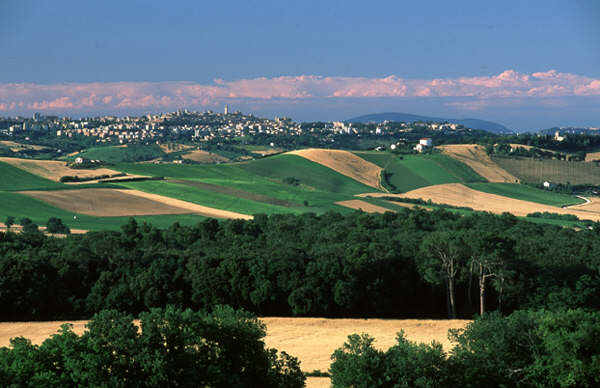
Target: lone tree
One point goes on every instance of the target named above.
(55, 225)
(9, 222)
(28, 225)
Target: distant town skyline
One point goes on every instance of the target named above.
(527, 66)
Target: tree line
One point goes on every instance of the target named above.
(413, 263)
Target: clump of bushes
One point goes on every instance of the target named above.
(527, 349)
(553, 216)
(182, 348)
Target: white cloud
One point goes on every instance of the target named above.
(164, 95)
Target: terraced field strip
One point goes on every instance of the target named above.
(117, 202)
(527, 193)
(475, 157)
(235, 192)
(345, 163)
(555, 171)
(54, 169)
(201, 156)
(456, 194)
(367, 207)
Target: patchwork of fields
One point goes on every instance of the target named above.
(302, 181)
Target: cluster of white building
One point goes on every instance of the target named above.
(200, 125)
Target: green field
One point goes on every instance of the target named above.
(410, 172)
(15, 179)
(309, 174)
(119, 154)
(209, 198)
(264, 176)
(555, 171)
(527, 193)
(19, 205)
(234, 176)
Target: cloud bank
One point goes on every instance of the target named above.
(123, 96)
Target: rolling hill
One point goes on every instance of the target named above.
(311, 180)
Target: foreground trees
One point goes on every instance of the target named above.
(526, 350)
(171, 348)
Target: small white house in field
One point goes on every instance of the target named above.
(424, 143)
(548, 185)
(78, 160)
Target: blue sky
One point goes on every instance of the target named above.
(81, 42)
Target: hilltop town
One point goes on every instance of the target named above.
(204, 126)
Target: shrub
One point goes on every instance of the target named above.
(173, 348)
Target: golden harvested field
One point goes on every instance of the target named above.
(406, 205)
(345, 163)
(367, 207)
(475, 157)
(201, 156)
(592, 156)
(267, 151)
(456, 194)
(556, 171)
(16, 147)
(55, 169)
(117, 202)
(176, 147)
(312, 340)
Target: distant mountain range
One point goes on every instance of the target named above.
(407, 118)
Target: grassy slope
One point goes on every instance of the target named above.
(526, 193)
(309, 174)
(116, 154)
(15, 179)
(319, 186)
(414, 171)
(19, 205)
(209, 198)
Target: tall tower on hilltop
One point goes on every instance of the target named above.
(226, 109)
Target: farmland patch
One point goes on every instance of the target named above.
(555, 171)
(113, 203)
(475, 157)
(345, 163)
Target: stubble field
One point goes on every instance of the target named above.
(312, 340)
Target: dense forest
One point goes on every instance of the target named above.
(413, 263)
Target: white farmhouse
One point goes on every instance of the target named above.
(424, 143)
